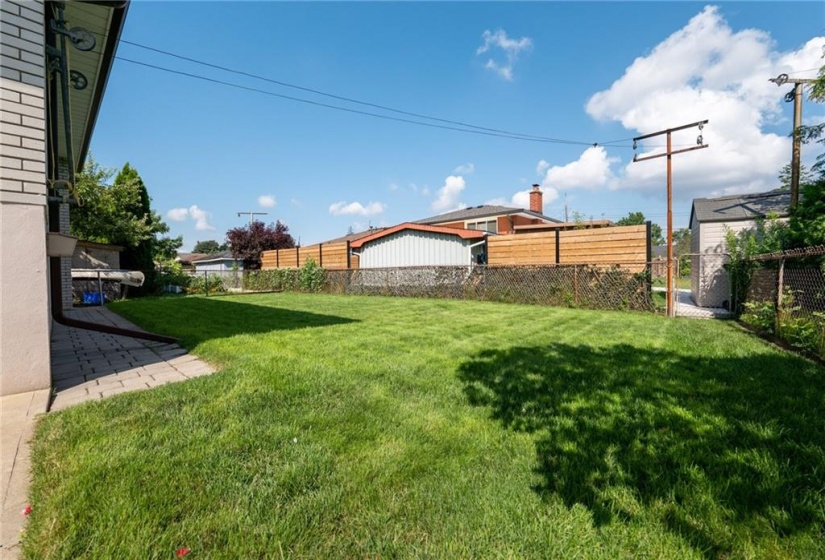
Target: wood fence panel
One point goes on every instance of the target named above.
(522, 249)
(288, 258)
(335, 255)
(269, 260)
(309, 252)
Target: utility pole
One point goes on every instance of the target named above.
(670, 152)
(795, 96)
(252, 215)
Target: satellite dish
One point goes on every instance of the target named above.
(82, 39)
(78, 80)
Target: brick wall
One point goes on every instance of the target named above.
(24, 294)
(22, 106)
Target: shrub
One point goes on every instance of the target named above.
(311, 277)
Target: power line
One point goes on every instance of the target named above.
(335, 107)
(357, 101)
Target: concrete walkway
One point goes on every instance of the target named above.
(686, 307)
(86, 365)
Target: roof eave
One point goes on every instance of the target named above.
(108, 57)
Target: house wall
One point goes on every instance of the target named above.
(219, 266)
(86, 256)
(24, 294)
(416, 248)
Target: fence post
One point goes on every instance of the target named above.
(576, 284)
(557, 247)
(100, 287)
(321, 255)
(780, 279)
(206, 283)
(277, 258)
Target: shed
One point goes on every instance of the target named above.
(410, 244)
(218, 262)
(710, 218)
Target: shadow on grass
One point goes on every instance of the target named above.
(714, 449)
(198, 319)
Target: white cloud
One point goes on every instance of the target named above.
(178, 214)
(267, 201)
(705, 70)
(449, 194)
(295, 202)
(541, 167)
(590, 171)
(201, 217)
(511, 48)
(394, 186)
(356, 209)
(464, 169)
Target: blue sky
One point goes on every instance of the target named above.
(587, 72)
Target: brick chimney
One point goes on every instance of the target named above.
(536, 200)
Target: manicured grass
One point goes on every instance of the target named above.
(358, 427)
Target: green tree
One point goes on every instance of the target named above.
(121, 214)
(769, 235)
(209, 247)
(805, 176)
(638, 219)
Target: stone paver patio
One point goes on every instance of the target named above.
(86, 365)
(90, 365)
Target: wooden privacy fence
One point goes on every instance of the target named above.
(628, 245)
(332, 256)
(625, 245)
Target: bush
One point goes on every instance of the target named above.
(276, 280)
(209, 285)
(311, 277)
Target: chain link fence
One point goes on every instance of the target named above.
(585, 286)
(786, 298)
(615, 286)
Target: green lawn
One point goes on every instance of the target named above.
(367, 427)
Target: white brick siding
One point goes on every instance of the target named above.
(24, 294)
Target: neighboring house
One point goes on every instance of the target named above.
(710, 218)
(413, 244)
(186, 259)
(62, 52)
(218, 262)
(502, 220)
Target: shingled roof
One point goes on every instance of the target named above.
(479, 212)
(462, 233)
(741, 207)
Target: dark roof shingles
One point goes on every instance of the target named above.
(742, 207)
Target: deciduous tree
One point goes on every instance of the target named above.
(248, 242)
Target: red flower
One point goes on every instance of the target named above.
(181, 552)
(26, 510)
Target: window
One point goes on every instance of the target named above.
(486, 225)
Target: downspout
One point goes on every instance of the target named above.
(54, 221)
(59, 317)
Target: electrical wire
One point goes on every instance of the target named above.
(340, 108)
(357, 101)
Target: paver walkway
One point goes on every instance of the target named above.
(92, 365)
(86, 365)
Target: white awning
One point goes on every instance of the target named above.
(128, 277)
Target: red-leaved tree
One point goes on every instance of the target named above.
(246, 243)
